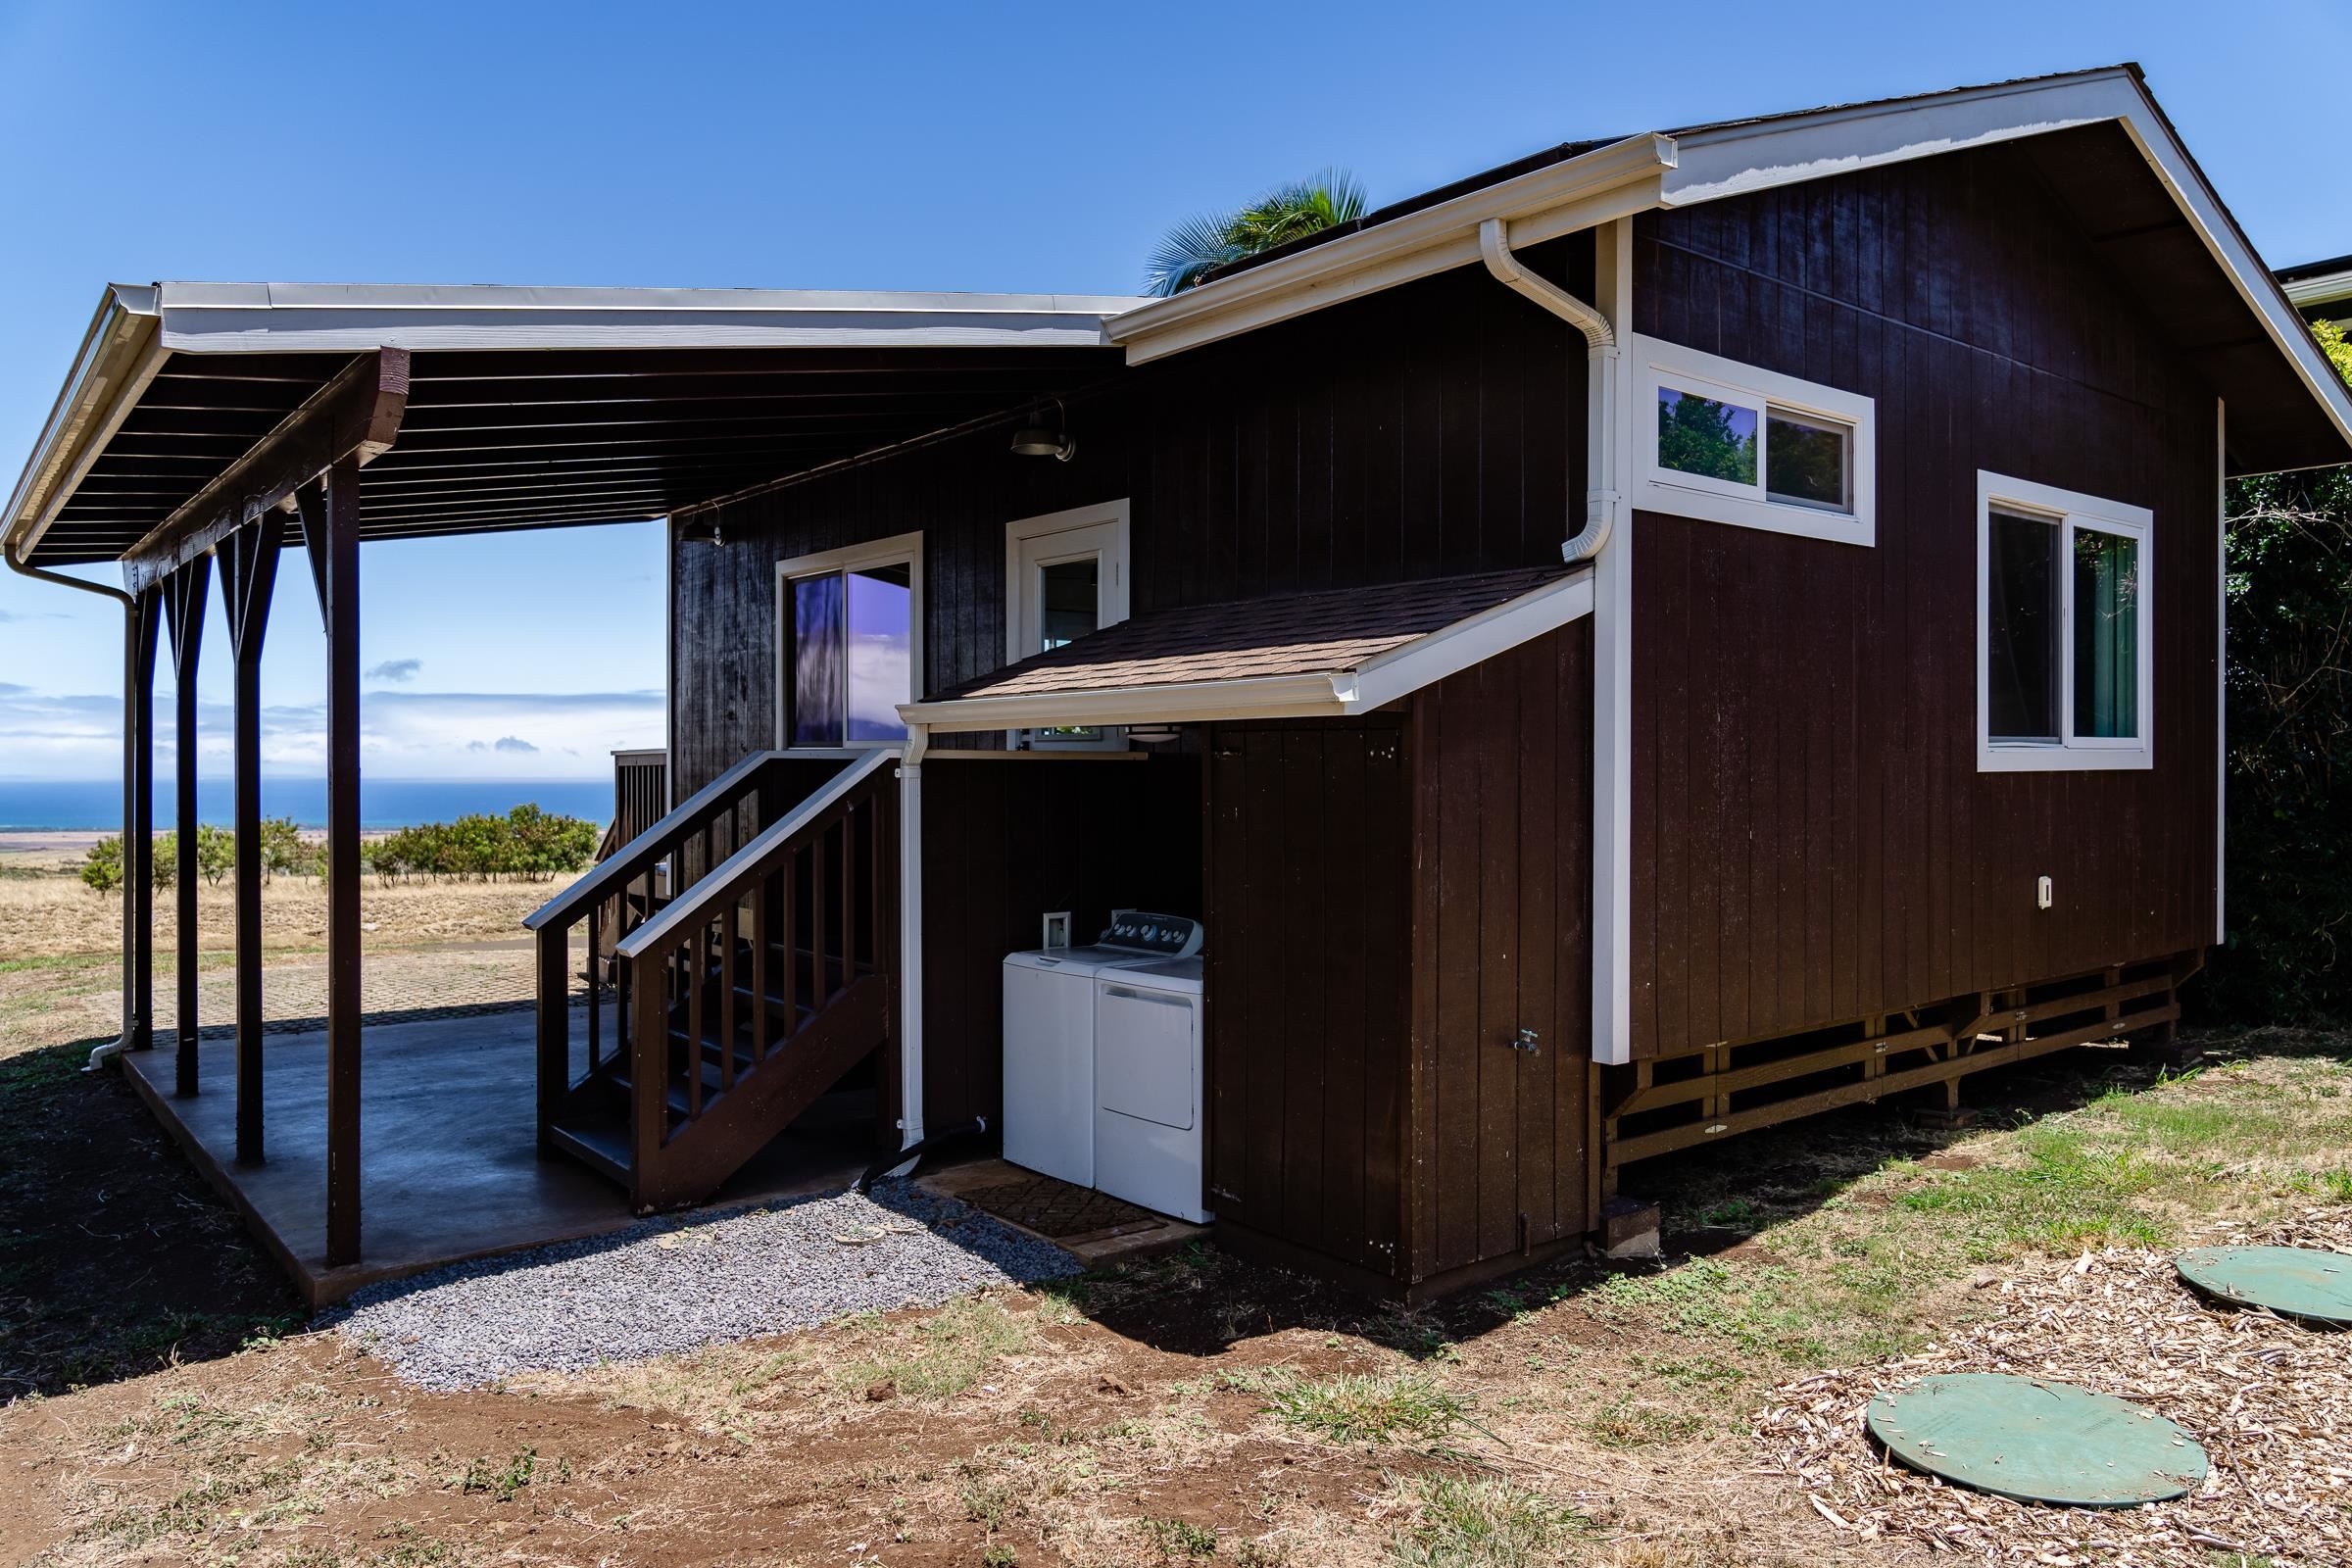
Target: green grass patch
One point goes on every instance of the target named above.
(1356, 1409)
(946, 1355)
(1178, 1537)
(1482, 1523)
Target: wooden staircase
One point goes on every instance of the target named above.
(740, 988)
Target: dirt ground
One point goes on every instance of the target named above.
(1193, 1409)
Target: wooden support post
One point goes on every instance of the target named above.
(184, 594)
(139, 821)
(248, 574)
(333, 529)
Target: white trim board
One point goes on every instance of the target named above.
(902, 546)
(2066, 510)
(1324, 694)
(1032, 543)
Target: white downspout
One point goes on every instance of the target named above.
(1602, 494)
(1608, 456)
(911, 940)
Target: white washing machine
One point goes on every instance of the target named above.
(1050, 1100)
(1147, 1072)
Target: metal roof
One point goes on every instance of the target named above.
(527, 407)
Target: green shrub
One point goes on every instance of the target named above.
(2289, 715)
(102, 864)
(526, 842)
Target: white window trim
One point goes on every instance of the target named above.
(1658, 364)
(904, 549)
(2066, 510)
(1113, 588)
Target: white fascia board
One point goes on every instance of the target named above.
(1325, 694)
(1315, 696)
(1573, 194)
(1734, 160)
(1450, 649)
(345, 318)
(118, 356)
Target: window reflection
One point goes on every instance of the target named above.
(1712, 439)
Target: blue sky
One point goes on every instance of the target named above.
(881, 146)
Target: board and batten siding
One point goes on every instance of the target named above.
(1503, 1138)
(1432, 429)
(1812, 842)
(1390, 900)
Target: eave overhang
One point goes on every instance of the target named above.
(1346, 690)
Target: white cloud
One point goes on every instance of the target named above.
(404, 734)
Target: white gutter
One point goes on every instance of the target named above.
(120, 355)
(1603, 496)
(1612, 182)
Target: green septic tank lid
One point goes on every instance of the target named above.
(2036, 1441)
(2297, 1282)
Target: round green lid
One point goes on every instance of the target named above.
(2036, 1441)
(2293, 1281)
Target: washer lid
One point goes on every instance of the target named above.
(1082, 962)
(1182, 975)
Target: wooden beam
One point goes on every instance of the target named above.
(248, 575)
(184, 594)
(138, 823)
(355, 416)
(338, 547)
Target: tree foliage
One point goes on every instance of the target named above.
(1201, 245)
(2289, 713)
(1699, 435)
(526, 842)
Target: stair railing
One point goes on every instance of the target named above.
(632, 886)
(794, 935)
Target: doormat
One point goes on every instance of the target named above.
(1059, 1210)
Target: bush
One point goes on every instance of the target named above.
(2289, 713)
(102, 864)
(526, 842)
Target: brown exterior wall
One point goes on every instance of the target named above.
(1501, 1138)
(1812, 841)
(1309, 928)
(1434, 429)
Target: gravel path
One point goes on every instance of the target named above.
(675, 1284)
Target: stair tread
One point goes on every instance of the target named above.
(601, 1144)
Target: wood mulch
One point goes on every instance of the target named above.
(2270, 1399)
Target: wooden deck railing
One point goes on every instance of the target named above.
(640, 797)
(755, 991)
(633, 885)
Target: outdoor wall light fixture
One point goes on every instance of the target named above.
(709, 537)
(1036, 439)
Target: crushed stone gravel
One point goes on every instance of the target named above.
(675, 1283)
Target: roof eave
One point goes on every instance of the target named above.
(1371, 683)
(1611, 181)
(119, 356)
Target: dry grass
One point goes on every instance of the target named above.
(1197, 1411)
(52, 915)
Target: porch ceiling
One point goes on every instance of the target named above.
(523, 415)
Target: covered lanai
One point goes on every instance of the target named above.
(208, 429)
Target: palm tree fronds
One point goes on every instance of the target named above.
(1199, 245)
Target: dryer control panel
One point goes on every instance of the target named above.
(1162, 936)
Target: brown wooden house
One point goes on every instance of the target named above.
(1674, 633)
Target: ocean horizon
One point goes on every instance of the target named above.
(96, 806)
